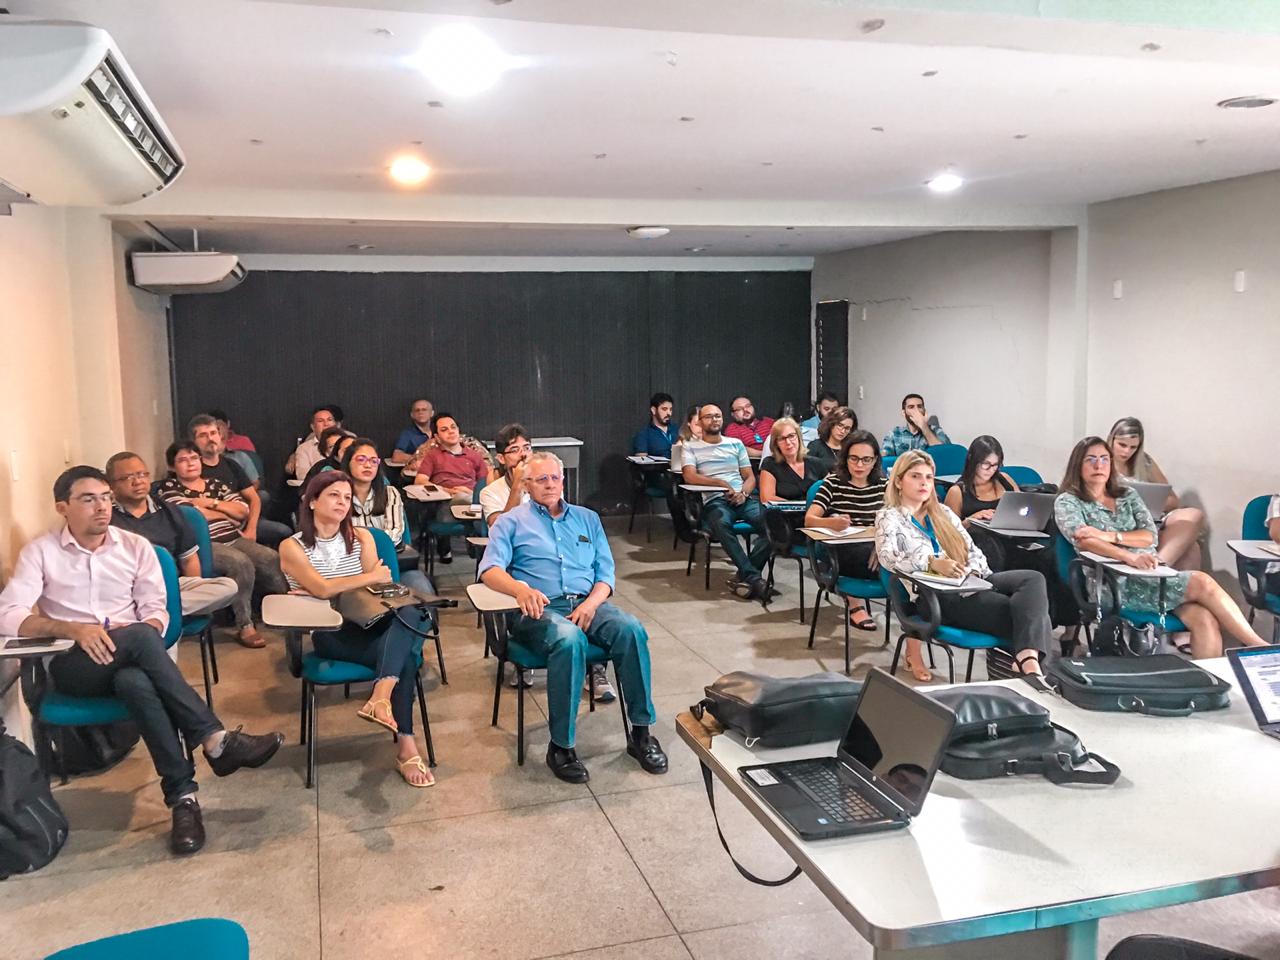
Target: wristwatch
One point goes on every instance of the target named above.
(1116, 535)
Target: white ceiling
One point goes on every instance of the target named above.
(785, 96)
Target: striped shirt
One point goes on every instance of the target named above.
(330, 558)
(390, 521)
(221, 529)
(839, 497)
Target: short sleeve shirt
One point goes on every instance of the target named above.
(224, 530)
(447, 469)
(721, 461)
(228, 472)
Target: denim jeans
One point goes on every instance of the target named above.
(719, 516)
(157, 697)
(564, 645)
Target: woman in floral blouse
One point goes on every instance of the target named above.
(917, 534)
(1099, 514)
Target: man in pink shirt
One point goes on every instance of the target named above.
(452, 466)
(102, 587)
(746, 426)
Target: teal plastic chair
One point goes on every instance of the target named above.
(694, 531)
(316, 671)
(822, 563)
(204, 939)
(781, 530)
(387, 554)
(57, 711)
(948, 458)
(1023, 476)
(923, 620)
(1253, 573)
(446, 528)
(649, 485)
(202, 626)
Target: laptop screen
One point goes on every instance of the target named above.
(898, 735)
(1262, 669)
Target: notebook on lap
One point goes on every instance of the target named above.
(1258, 671)
(880, 774)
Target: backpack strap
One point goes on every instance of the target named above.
(747, 874)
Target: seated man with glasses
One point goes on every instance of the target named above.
(506, 490)
(164, 525)
(745, 426)
(102, 587)
(554, 559)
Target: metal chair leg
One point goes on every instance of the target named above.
(60, 733)
(204, 668)
(213, 657)
(813, 625)
(897, 653)
(346, 691)
(426, 723)
(968, 671)
(520, 716)
(302, 714)
(311, 733)
(444, 677)
(846, 641)
(497, 692)
(688, 567)
(622, 703)
(951, 664)
(707, 566)
(800, 570)
(887, 611)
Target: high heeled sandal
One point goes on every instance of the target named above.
(1037, 681)
(370, 712)
(415, 762)
(917, 669)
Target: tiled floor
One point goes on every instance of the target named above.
(494, 861)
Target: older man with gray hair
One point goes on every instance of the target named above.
(553, 558)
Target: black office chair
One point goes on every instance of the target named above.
(1147, 946)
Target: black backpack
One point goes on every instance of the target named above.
(32, 826)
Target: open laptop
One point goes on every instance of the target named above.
(1258, 670)
(1021, 514)
(1154, 495)
(880, 774)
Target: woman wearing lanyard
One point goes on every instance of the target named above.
(917, 534)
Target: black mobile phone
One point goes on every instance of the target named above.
(18, 643)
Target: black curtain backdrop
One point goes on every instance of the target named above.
(566, 354)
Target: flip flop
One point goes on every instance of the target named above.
(369, 712)
(416, 763)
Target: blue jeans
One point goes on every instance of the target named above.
(719, 516)
(564, 645)
(271, 533)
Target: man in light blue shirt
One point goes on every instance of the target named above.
(826, 402)
(720, 461)
(554, 559)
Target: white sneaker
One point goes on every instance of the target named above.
(597, 683)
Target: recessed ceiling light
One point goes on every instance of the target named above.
(686, 119)
(1020, 136)
(648, 233)
(461, 60)
(1251, 102)
(946, 182)
(435, 103)
(877, 129)
(1150, 47)
(409, 170)
(694, 249)
(929, 73)
(360, 246)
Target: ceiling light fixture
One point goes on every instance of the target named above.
(686, 119)
(1150, 47)
(359, 246)
(461, 60)
(694, 249)
(1250, 102)
(946, 182)
(647, 233)
(871, 26)
(409, 170)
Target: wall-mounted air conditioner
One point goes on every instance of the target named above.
(180, 272)
(76, 127)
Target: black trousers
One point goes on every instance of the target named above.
(854, 560)
(157, 697)
(1015, 609)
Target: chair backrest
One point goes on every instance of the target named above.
(202, 939)
(1063, 554)
(1023, 476)
(257, 461)
(172, 595)
(1254, 524)
(204, 546)
(948, 458)
(813, 492)
(386, 551)
(245, 462)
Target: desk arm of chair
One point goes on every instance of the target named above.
(1078, 584)
(822, 564)
(921, 619)
(1252, 575)
(293, 650)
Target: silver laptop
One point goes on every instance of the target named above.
(1258, 671)
(1154, 495)
(1021, 514)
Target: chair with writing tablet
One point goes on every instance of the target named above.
(1252, 572)
(922, 619)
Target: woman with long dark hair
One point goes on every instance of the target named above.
(982, 482)
(832, 432)
(330, 555)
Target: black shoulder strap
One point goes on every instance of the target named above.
(747, 874)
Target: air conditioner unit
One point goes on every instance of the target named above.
(180, 272)
(76, 128)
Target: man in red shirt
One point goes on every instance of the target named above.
(453, 466)
(746, 426)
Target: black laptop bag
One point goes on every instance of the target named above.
(1000, 733)
(1161, 685)
(33, 827)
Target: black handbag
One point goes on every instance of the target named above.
(1162, 685)
(782, 711)
(1000, 733)
(1116, 637)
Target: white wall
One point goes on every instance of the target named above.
(1195, 361)
(964, 319)
(142, 335)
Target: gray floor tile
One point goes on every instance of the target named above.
(817, 936)
(523, 883)
(663, 948)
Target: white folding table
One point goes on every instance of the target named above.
(1019, 868)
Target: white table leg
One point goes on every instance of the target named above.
(1076, 941)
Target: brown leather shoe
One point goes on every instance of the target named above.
(250, 637)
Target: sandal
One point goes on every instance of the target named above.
(1184, 649)
(416, 764)
(370, 712)
(1033, 678)
(867, 622)
(918, 670)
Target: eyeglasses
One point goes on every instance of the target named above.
(989, 464)
(1101, 460)
(842, 427)
(187, 461)
(92, 499)
(788, 436)
(740, 409)
(713, 416)
(548, 478)
(862, 461)
(366, 461)
(518, 448)
(136, 475)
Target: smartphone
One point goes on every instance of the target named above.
(18, 643)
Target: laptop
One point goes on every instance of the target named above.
(1021, 514)
(880, 774)
(1154, 495)
(1258, 672)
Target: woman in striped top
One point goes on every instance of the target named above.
(330, 555)
(850, 496)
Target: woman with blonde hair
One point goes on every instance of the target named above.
(787, 474)
(1179, 541)
(917, 534)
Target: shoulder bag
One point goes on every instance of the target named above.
(1161, 685)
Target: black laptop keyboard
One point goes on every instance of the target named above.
(838, 800)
